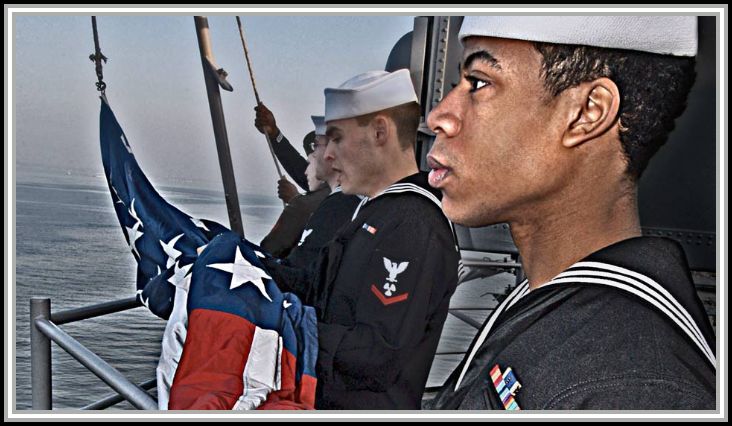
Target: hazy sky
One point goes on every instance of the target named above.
(155, 87)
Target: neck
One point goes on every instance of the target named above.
(561, 236)
(332, 182)
(395, 166)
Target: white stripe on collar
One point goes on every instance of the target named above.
(640, 285)
(398, 188)
(652, 289)
(409, 187)
(364, 200)
(336, 190)
(520, 291)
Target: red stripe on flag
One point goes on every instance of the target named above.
(209, 376)
(210, 373)
(301, 398)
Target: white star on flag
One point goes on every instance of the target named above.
(134, 233)
(178, 278)
(119, 199)
(143, 300)
(127, 145)
(132, 211)
(242, 272)
(170, 250)
(199, 223)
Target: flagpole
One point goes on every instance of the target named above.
(214, 78)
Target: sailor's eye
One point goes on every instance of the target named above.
(476, 83)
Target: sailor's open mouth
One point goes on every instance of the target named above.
(438, 173)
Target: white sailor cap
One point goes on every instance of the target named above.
(369, 92)
(319, 122)
(667, 35)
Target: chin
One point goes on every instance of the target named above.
(465, 214)
(454, 211)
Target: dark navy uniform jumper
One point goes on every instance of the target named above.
(623, 329)
(382, 292)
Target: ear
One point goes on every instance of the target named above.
(380, 127)
(597, 104)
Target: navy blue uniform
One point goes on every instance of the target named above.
(622, 329)
(333, 212)
(382, 292)
(296, 272)
(283, 237)
(291, 160)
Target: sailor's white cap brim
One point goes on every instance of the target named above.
(367, 93)
(667, 35)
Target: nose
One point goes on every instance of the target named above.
(445, 118)
(329, 154)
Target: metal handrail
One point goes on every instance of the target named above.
(116, 398)
(44, 330)
(86, 312)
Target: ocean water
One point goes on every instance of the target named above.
(69, 247)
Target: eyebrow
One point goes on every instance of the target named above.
(331, 130)
(484, 57)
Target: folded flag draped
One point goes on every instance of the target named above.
(233, 340)
(233, 308)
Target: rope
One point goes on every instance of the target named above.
(97, 57)
(246, 56)
(256, 94)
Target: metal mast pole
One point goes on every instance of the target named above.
(214, 78)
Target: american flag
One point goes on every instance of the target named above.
(233, 340)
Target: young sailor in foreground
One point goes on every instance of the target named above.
(385, 280)
(549, 129)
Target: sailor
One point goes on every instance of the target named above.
(384, 282)
(331, 214)
(292, 161)
(295, 272)
(549, 129)
(286, 232)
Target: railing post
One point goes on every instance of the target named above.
(111, 376)
(40, 355)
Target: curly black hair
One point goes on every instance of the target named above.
(653, 90)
